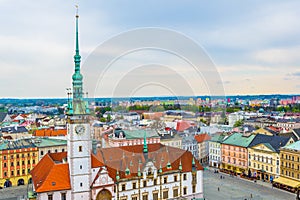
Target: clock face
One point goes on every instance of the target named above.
(79, 129)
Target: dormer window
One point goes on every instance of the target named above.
(149, 171)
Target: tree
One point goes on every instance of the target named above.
(238, 123)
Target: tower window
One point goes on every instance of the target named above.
(80, 148)
(80, 184)
(80, 166)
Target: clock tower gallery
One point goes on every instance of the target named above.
(79, 137)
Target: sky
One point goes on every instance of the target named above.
(247, 47)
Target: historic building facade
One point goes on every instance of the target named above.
(145, 171)
(17, 158)
(235, 153)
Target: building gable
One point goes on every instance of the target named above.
(263, 147)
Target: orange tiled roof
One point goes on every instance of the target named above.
(51, 174)
(50, 132)
(131, 157)
(202, 137)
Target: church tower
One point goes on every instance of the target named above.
(79, 134)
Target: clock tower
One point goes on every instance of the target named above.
(79, 134)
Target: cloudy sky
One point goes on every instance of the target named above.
(254, 46)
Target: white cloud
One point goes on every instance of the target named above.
(279, 56)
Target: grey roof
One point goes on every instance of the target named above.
(2, 116)
(14, 129)
(275, 141)
(16, 144)
(297, 132)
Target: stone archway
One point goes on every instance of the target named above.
(104, 195)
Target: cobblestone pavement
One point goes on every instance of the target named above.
(14, 193)
(239, 189)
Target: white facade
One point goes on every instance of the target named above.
(79, 157)
(56, 195)
(215, 154)
(157, 188)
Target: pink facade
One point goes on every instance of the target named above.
(235, 156)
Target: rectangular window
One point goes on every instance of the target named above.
(80, 148)
(165, 194)
(42, 153)
(155, 182)
(12, 173)
(184, 177)
(145, 196)
(144, 183)
(175, 178)
(194, 189)
(50, 196)
(63, 196)
(155, 196)
(184, 190)
(134, 198)
(133, 185)
(4, 157)
(165, 179)
(175, 192)
(123, 187)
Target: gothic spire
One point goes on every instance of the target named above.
(78, 106)
(145, 149)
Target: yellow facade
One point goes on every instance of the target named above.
(264, 162)
(290, 164)
(263, 132)
(15, 165)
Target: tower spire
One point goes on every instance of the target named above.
(145, 149)
(78, 106)
(77, 42)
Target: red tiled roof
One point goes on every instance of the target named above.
(202, 137)
(120, 158)
(183, 125)
(51, 174)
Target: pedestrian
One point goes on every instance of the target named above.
(218, 189)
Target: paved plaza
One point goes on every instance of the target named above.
(240, 189)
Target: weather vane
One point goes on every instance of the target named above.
(76, 10)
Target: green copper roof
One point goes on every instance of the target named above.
(145, 149)
(237, 139)
(293, 146)
(138, 134)
(48, 142)
(77, 106)
(217, 138)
